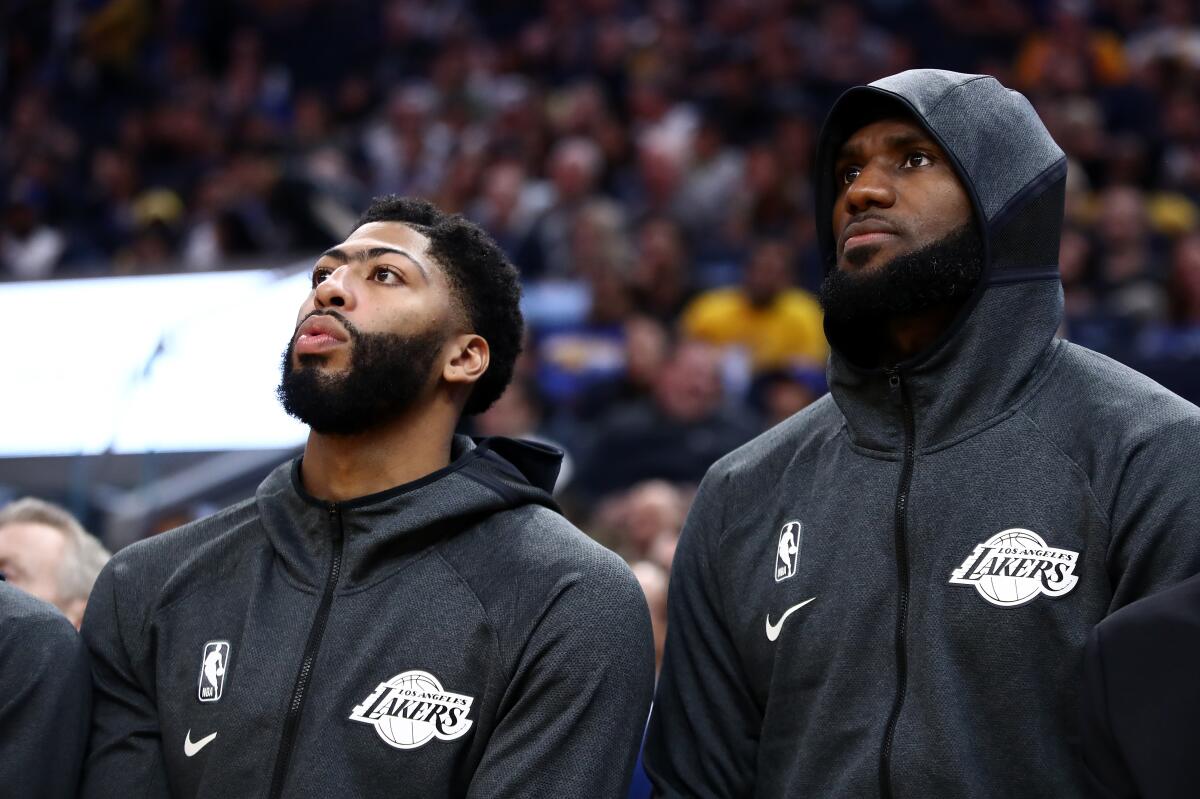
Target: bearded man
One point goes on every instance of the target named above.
(399, 612)
(972, 498)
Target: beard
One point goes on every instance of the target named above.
(942, 274)
(385, 377)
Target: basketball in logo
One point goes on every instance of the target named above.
(1011, 590)
(403, 733)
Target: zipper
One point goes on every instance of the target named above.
(291, 722)
(902, 578)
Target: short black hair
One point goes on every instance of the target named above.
(482, 279)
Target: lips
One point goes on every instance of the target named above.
(319, 334)
(866, 231)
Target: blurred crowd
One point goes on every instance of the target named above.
(646, 165)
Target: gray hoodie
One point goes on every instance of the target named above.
(889, 593)
(451, 637)
(45, 696)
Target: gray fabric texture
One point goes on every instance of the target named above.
(468, 575)
(1013, 428)
(45, 699)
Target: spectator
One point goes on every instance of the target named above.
(661, 279)
(30, 248)
(1130, 262)
(653, 579)
(518, 414)
(675, 436)
(776, 323)
(574, 168)
(636, 521)
(46, 552)
(781, 393)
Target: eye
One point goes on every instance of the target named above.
(319, 274)
(917, 159)
(849, 173)
(386, 274)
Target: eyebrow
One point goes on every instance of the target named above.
(894, 141)
(374, 252)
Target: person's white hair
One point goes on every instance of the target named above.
(84, 557)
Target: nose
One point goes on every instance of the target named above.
(871, 189)
(335, 291)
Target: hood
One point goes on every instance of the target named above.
(1015, 175)
(381, 531)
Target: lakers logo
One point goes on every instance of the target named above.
(412, 708)
(1015, 566)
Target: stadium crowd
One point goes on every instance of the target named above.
(645, 165)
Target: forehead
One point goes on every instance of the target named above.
(884, 135)
(391, 235)
(25, 536)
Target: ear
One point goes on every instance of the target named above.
(469, 359)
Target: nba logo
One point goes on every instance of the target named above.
(787, 554)
(213, 664)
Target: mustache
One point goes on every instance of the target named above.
(354, 332)
(871, 216)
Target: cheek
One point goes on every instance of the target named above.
(308, 307)
(944, 211)
(838, 218)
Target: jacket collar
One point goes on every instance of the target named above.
(973, 376)
(383, 532)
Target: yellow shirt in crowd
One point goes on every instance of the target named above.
(779, 334)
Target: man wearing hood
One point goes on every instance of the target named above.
(399, 612)
(973, 496)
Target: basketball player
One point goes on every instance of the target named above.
(45, 695)
(401, 611)
(974, 496)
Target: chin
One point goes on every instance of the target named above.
(314, 360)
(869, 258)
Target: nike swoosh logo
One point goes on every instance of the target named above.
(190, 748)
(773, 629)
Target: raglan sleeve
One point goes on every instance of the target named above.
(44, 708)
(573, 715)
(702, 736)
(124, 753)
(1155, 514)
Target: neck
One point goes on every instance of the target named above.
(341, 467)
(909, 335)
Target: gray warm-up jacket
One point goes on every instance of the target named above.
(451, 637)
(45, 697)
(889, 593)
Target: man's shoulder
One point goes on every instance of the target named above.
(33, 631)
(1109, 392)
(1100, 411)
(194, 548)
(541, 540)
(537, 548)
(799, 437)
